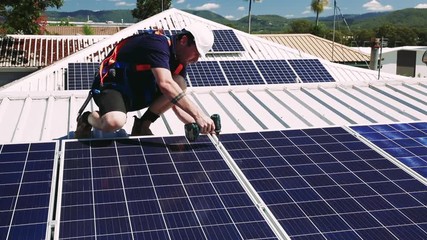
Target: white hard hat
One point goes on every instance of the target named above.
(203, 37)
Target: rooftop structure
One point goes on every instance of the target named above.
(309, 149)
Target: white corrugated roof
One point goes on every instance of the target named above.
(41, 116)
(37, 108)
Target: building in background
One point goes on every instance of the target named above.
(405, 61)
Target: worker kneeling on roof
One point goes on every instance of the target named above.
(147, 70)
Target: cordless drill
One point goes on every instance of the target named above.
(192, 130)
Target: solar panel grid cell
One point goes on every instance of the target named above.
(184, 192)
(206, 73)
(175, 31)
(226, 41)
(241, 72)
(276, 71)
(80, 75)
(340, 195)
(310, 70)
(25, 185)
(407, 142)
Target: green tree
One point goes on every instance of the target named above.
(301, 26)
(388, 32)
(361, 36)
(398, 35)
(406, 37)
(320, 30)
(318, 6)
(306, 26)
(422, 37)
(87, 30)
(22, 16)
(147, 8)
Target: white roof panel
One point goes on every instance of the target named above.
(52, 115)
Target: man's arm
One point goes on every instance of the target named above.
(182, 116)
(174, 93)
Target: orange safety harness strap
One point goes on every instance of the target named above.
(178, 69)
(145, 67)
(109, 61)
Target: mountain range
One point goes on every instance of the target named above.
(413, 18)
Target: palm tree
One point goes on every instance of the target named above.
(318, 6)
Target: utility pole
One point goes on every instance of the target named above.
(380, 58)
(249, 17)
(333, 35)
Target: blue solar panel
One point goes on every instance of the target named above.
(311, 70)
(206, 73)
(241, 72)
(276, 71)
(169, 32)
(407, 142)
(153, 188)
(166, 32)
(226, 41)
(80, 75)
(141, 31)
(25, 184)
(325, 183)
(175, 31)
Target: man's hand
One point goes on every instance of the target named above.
(192, 130)
(206, 124)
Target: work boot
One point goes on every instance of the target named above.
(138, 128)
(84, 129)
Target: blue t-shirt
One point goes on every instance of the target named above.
(145, 49)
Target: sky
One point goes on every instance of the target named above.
(236, 9)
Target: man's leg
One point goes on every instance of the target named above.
(160, 105)
(110, 117)
(109, 122)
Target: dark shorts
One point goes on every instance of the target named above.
(109, 100)
(135, 93)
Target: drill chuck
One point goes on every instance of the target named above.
(217, 121)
